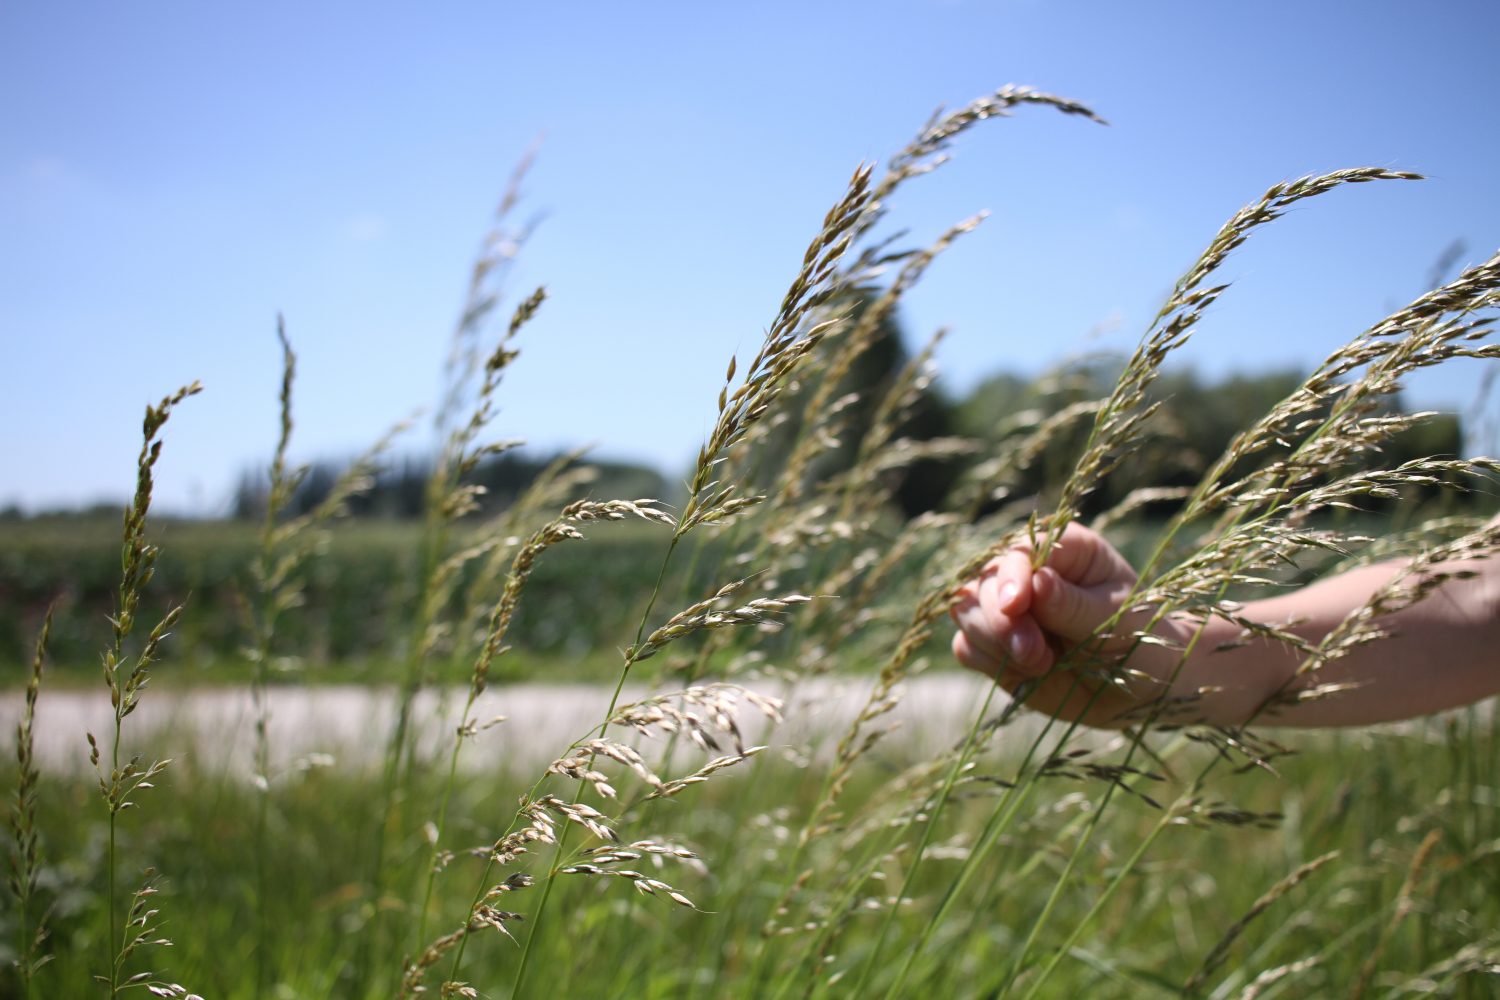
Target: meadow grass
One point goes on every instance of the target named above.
(661, 852)
(1374, 798)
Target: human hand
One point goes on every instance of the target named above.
(1016, 624)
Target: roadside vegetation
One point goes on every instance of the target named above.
(832, 513)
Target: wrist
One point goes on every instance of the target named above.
(1220, 674)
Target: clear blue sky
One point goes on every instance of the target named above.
(173, 174)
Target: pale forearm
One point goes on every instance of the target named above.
(1439, 653)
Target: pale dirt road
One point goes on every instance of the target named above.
(214, 727)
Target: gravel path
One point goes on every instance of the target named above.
(352, 723)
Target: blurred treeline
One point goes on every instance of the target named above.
(1196, 419)
(399, 488)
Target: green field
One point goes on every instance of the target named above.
(357, 601)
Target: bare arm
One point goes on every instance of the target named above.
(1441, 652)
(1438, 653)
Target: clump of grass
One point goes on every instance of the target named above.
(277, 574)
(473, 376)
(127, 673)
(561, 529)
(1018, 858)
(26, 863)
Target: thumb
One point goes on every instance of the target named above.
(1067, 610)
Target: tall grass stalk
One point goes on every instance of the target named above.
(286, 546)
(126, 676)
(788, 343)
(922, 155)
(559, 530)
(449, 497)
(26, 863)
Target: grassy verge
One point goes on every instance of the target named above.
(1373, 798)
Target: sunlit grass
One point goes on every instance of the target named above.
(661, 852)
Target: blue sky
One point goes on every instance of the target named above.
(172, 175)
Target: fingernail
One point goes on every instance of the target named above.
(1020, 645)
(1008, 593)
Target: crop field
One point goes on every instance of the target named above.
(355, 603)
(722, 825)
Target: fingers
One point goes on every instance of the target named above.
(1080, 554)
(1027, 648)
(1083, 556)
(1012, 622)
(1061, 694)
(1013, 619)
(1057, 693)
(991, 640)
(1067, 610)
(965, 652)
(975, 627)
(1009, 577)
(988, 605)
(1065, 696)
